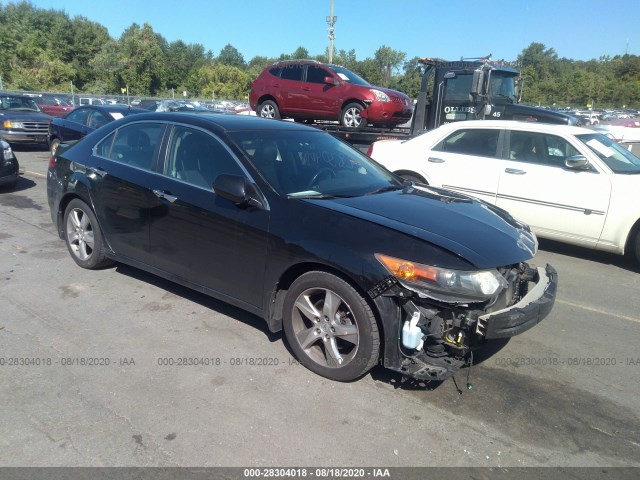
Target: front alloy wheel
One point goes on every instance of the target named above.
(330, 327)
(351, 116)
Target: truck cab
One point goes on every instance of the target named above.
(474, 90)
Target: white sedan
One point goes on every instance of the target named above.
(569, 184)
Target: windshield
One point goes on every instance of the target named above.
(21, 104)
(503, 87)
(348, 76)
(618, 159)
(312, 164)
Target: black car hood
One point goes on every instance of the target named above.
(482, 234)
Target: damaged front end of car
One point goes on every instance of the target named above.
(446, 314)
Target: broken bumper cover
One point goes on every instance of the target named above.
(528, 312)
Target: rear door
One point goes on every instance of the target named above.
(74, 126)
(468, 161)
(123, 167)
(289, 90)
(557, 202)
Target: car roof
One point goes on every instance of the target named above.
(112, 108)
(227, 122)
(517, 125)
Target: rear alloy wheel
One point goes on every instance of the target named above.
(350, 116)
(269, 109)
(330, 327)
(83, 236)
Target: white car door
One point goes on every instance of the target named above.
(467, 161)
(557, 202)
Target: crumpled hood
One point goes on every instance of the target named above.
(484, 235)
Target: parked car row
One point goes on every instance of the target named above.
(570, 184)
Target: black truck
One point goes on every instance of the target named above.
(468, 89)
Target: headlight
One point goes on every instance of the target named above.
(10, 124)
(380, 95)
(443, 284)
(7, 154)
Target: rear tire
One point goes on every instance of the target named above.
(636, 247)
(268, 109)
(330, 327)
(83, 236)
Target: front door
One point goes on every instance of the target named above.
(199, 236)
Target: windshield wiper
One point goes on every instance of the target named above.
(388, 188)
(320, 196)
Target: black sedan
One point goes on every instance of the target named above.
(83, 120)
(9, 166)
(283, 220)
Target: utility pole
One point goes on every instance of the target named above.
(1, 87)
(331, 21)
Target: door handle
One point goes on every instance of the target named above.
(306, 89)
(97, 171)
(514, 171)
(435, 160)
(165, 195)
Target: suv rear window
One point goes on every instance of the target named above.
(292, 72)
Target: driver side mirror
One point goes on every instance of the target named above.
(237, 190)
(477, 82)
(331, 81)
(577, 162)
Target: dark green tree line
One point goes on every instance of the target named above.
(46, 50)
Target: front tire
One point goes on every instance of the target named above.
(83, 236)
(330, 327)
(350, 116)
(268, 109)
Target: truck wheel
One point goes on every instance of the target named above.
(330, 327)
(83, 236)
(350, 116)
(269, 109)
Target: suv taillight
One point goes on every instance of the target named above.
(52, 162)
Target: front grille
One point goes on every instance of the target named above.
(402, 101)
(36, 127)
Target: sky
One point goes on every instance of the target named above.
(448, 29)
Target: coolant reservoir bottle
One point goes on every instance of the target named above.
(411, 333)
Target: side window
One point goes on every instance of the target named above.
(133, 144)
(483, 143)
(459, 87)
(316, 74)
(275, 71)
(198, 158)
(97, 119)
(526, 147)
(292, 71)
(558, 149)
(79, 116)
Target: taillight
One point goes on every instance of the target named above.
(370, 150)
(52, 162)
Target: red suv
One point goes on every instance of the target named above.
(309, 90)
